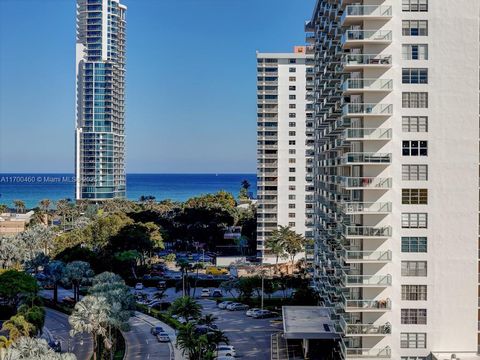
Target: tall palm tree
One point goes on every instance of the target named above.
(192, 345)
(34, 348)
(186, 307)
(3, 208)
(275, 243)
(17, 326)
(45, 204)
(207, 319)
(19, 206)
(91, 315)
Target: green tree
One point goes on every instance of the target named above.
(15, 286)
(35, 315)
(191, 344)
(91, 315)
(3, 208)
(76, 273)
(186, 307)
(19, 206)
(34, 349)
(207, 319)
(275, 243)
(17, 326)
(129, 257)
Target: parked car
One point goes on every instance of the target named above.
(236, 307)
(251, 311)
(213, 270)
(155, 330)
(204, 329)
(224, 304)
(205, 293)
(163, 337)
(138, 286)
(216, 293)
(230, 305)
(162, 285)
(225, 358)
(68, 300)
(225, 350)
(262, 314)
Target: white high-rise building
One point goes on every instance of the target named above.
(284, 144)
(100, 101)
(396, 175)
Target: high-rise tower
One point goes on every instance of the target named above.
(100, 102)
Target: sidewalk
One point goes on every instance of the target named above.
(177, 353)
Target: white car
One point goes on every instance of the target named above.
(236, 307)
(138, 286)
(223, 305)
(229, 306)
(225, 350)
(252, 311)
(205, 293)
(163, 337)
(225, 358)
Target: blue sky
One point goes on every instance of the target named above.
(190, 81)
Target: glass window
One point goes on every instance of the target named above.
(414, 27)
(414, 148)
(414, 75)
(413, 340)
(413, 244)
(414, 172)
(414, 220)
(414, 196)
(415, 52)
(414, 268)
(415, 100)
(415, 123)
(414, 292)
(414, 316)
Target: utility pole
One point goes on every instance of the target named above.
(263, 287)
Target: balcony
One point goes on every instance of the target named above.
(358, 13)
(352, 256)
(350, 86)
(363, 61)
(363, 37)
(367, 305)
(367, 280)
(366, 353)
(350, 329)
(367, 134)
(350, 231)
(364, 109)
(350, 183)
(366, 158)
(353, 208)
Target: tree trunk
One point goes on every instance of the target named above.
(55, 293)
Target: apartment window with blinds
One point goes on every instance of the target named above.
(413, 358)
(415, 52)
(415, 100)
(415, 172)
(414, 27)
(414, 268)
(415, 5)
(414, 316)
(414, 76)
(414, 244)
(414, 220)
(414, 148)
(414, 292)
(413, 340)
(415, 123)
(414, 196)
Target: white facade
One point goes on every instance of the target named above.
(284, 144)
(396, 114)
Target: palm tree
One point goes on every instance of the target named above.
(76, 273)
(45, 206)
(196, 267)
(91, 315)
(19, 206)
(207, 319)
(54, 272)
(275, 243)
(3, 208)
(184, 266)
(190, 343)
(34, 348)
(186, 307)
(17, 326)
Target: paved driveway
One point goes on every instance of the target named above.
(250, 337)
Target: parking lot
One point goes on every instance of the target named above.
(250, 337)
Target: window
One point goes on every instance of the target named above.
(414, 76)
(291, 197)
(292, 97)
(292, 106)
(415, 196)
(415, 100)
(291, 206)
(292, 133)
(292, 151)
(291, 178)
(292, 161)
(291, 187)
(291, 169)
(414, 148)
(292, 61)
(414, 220)
(414, 268)
(292, 70)
(414, 316)
(415, 5)
(292, 115)
(414, 292)
(413, 358)
(291, 124)
(292, 78)
(291, 224)
(415, 172)
(414, 27)
(414, 244)
(291, 215)
(291, 142)
(413, 340)
(415, 52)
(415, 123)
(291, 87)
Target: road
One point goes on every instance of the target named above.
(141, 344)
(250, 337)
(57, 328)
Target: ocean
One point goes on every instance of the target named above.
(31, 188)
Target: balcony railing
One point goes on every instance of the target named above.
(366, 207)
(368, 280)
(366, 182)
(359, 305)
(364, 329)
(367, 231)
(367, 109)
(365, 157)
(378, 353)
(373, 256)
(381, 36)
(368, 84)
(368, 134)
(367, 10)
(367, 59)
